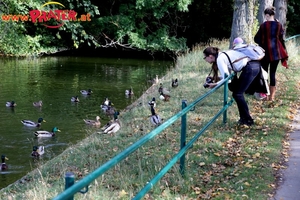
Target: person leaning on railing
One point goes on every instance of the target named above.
(240, 62)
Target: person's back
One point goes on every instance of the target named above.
(270, 37)
(273, 42)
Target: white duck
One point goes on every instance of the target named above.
(37, 151)
(86, 92)
(30, 123)
(129, 92)
(10, 104)
(47, 133)
(38, 104)
(113, 126)
(75, 99)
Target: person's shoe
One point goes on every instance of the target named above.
(248, 122)
(260, 96)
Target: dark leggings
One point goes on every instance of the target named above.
(273, 68)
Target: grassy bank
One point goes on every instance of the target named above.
(227, 162)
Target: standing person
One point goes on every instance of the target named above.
(270, 37)
(240, 62)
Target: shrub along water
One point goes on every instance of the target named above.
(227, 162)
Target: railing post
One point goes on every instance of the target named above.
(69, 179)
(183, 137)
(225, 99)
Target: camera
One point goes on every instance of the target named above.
(207, 80)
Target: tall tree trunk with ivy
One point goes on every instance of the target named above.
(281, 11)
(242, 22)
(263, 4)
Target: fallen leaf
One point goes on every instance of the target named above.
(122, 193)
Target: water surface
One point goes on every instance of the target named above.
(54, 80)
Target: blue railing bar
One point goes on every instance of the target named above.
(292, 37)
(164, 170)
(121, 156)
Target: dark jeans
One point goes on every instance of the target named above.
(249, 72)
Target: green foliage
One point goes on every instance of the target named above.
(154, 26)
(293, 20)
(33, 39)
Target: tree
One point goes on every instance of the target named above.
(242, 22)
(142, 25)
(281, 12)
(263, 4)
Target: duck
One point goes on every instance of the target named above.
(129, 92)
(3, 164)
(105, 107)
(30, 123)
(154, 119)
(162, 89)
(93, 122)
(111, 121)
(37, 151)
(106, 101)
(10, 104)
(164, 97)
(47, 133)
(152, 102)
(110, 110)
(75, 99)
(174, 83)
(38, 104)
(86, 92)
(113, 126)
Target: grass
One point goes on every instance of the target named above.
(227, 162)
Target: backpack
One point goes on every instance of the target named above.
(254, 52)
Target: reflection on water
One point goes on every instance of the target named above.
(54, 80)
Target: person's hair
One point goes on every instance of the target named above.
(270, 11)
(213, 51)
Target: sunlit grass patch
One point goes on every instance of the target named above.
(226, 162)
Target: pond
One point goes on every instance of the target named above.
(54, 80)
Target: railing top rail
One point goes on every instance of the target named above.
(292, 37)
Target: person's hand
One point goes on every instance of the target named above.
(212, 85)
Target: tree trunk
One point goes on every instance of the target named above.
(242, 21)
(281, 11)
(263, 4)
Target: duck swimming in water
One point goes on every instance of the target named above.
(46, 133)
(75, 99)
(30, 123)
(38, 104)
(129, 92)
(3, 164)
(93, 122)
(86, 92)
(10, 104)
(37, 151)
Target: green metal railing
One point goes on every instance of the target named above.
(292, 37)
(72, 188)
